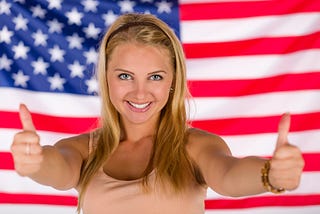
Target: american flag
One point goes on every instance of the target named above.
(248, 62)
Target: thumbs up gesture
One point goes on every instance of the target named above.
(26, 149)
(287, 162)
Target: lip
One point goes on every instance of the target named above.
(139, 107)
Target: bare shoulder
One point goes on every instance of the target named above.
(78, 144)
(200, 140)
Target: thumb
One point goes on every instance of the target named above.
(25, 118)
(283, 130)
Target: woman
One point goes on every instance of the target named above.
(145, 158)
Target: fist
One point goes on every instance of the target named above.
(287, 162)
(26, 149)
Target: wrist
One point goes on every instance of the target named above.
(265, 179)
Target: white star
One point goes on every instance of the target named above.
(126, 6)
(56, 82)
(20, 79)
(75, 41)
(91, 56)
(55, 26)
(5, 62)
(39, 38)
(74, 17)
(20, 51)
(37, 11)
(54, 4)
(164, 6)
(21, 23)
(109, 18)
(5, 7)
(5, 35)
(56, 54)
(92, 85)
(91, 31)
(76, 69)
(90, 5)
(39, 66)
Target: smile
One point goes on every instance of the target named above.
(139, 106)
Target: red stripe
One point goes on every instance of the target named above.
(226, 126)
(7, 198)
(280, 200)
(254, 125)
(288, 82)
(311, 161)
(70, 125)
(267, 201)
(228, 10)
(276, 45)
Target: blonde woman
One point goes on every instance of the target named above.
(145, 158)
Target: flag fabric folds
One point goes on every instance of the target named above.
(247, 63)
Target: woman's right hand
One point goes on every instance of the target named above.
(26, 149)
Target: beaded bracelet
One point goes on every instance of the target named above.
(265, 179)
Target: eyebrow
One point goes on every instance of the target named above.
(153, 72)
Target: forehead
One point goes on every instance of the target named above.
(134, 54)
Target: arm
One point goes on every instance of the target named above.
(233, 176)
(57, 166)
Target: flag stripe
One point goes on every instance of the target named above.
(245, 67)
(228, 30)
(310, 159)
(285, 200)
(228, 10)
(286, 82)
(281, 200)
(261, 144)
(226, 126)
(277, 45)
(253, 125)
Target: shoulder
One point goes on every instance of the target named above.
(75, 144)
(200, 141)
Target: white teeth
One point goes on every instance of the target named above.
(140, 106)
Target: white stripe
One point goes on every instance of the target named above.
(269, 210)
(200, 108)
(39, 209)
(11, 182)
(296, 102)
(250, 67)
(46, 138)
(51, 103)
(35, 209)
(308, 185)
(254, 144)
(264, 144)
(248, 28)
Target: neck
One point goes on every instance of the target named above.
(136, 132)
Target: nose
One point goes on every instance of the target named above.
(140, 90)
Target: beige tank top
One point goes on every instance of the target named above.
(107, 195)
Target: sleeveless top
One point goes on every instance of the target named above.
(106, 194)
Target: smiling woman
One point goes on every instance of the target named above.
(145, 157)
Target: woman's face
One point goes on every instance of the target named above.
(139, 78)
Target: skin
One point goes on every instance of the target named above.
(142, 75)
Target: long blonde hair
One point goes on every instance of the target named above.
(171, 136)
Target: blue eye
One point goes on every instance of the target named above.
(125, 76)
(156, 77)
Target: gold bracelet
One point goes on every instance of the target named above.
(265, 179)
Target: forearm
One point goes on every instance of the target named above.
(243, 177)
(54, 170)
